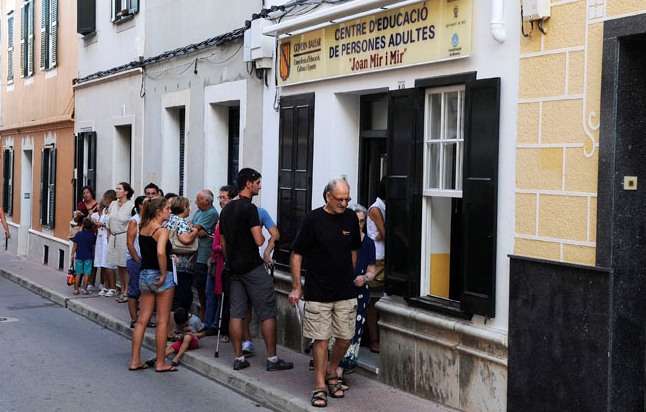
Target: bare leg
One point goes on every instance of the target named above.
(123, 277)
(132, 308)
(108, 278)
(373, 328)
(246, 332)
(163, 303)
(319, 353)
(268, 327)
(183, 348)
(146, 311)
(235, 334)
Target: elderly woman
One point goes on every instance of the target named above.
(364, 272)
(120, 213)
(180, 208)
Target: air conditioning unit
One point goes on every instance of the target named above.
(258, 48)
(535, 9)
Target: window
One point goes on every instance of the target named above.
(84, 164)
(48, 34)
(182, 150)
(123, 10)
(7, 180)
(48, 186)
(10, 21)
(27, 39)
(441, 194)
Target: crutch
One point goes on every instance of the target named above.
(217, 345)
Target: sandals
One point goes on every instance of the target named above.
(122, 298)
(344, 385)
(335, 387)
(319, 398)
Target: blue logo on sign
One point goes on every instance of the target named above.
(455, 40)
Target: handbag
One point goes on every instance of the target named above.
(70, 276)
(177, 247)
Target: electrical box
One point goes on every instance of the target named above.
(258, 48)
(535, 9)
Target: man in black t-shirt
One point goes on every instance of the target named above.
(330, 240)
(240, 237)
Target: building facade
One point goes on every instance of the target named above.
(39, 62)
(425, 96)
(168, 99)
(576, 329)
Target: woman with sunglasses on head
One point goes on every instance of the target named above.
(155, 283)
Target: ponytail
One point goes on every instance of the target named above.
(149, 209)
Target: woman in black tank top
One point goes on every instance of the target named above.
(155, 281)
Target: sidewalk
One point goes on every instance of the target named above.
(283, 391)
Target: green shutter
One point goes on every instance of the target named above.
(479, 203)
(23, 35)
(53, 51)
(52, 188)
(43, 185)
(10, 48)
(30, 39)
(44, 14)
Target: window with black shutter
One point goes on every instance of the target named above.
(441, 194)
(7, 181)
(48, 186)
(296, 136)
(84, 164)
(48, 34)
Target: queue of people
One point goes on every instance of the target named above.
(160, 257)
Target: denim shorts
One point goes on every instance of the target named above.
(148, 279)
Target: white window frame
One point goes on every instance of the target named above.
(442, 141)
(123, 10)
(429, 192)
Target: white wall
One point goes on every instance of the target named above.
(336, 126)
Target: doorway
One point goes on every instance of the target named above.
(372, 150)
(123, 153)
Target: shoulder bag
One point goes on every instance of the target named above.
(178, 247)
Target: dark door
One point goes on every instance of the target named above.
(296, 138)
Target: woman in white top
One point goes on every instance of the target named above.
(376, 228)
(120, 213)
(100, 218)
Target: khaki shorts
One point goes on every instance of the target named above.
(323, 320)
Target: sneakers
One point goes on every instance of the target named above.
(90, 288)
(241, 364)
(279, 365)
(103, 292)
(248, 348)
(110, 293)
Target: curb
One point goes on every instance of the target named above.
(248, 386)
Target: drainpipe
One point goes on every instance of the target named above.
(497, 25)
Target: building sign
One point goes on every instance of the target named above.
(419, 33)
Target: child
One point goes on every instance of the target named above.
(186, 328)
(83, 252)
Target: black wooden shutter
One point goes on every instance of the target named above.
(43, 187)
(296, 137)
(403, 195)
(91, 160)
(182, 149)
(79, 141)
(7, 180)
(52, 188)
(479, 204)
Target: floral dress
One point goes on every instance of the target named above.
(365, 258)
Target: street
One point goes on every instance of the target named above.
(56, 360)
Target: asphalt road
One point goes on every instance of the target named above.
(56, 360)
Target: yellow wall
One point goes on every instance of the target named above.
(558, 119)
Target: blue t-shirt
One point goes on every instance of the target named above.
(265, 219)
(85, 241)
(207, 219)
